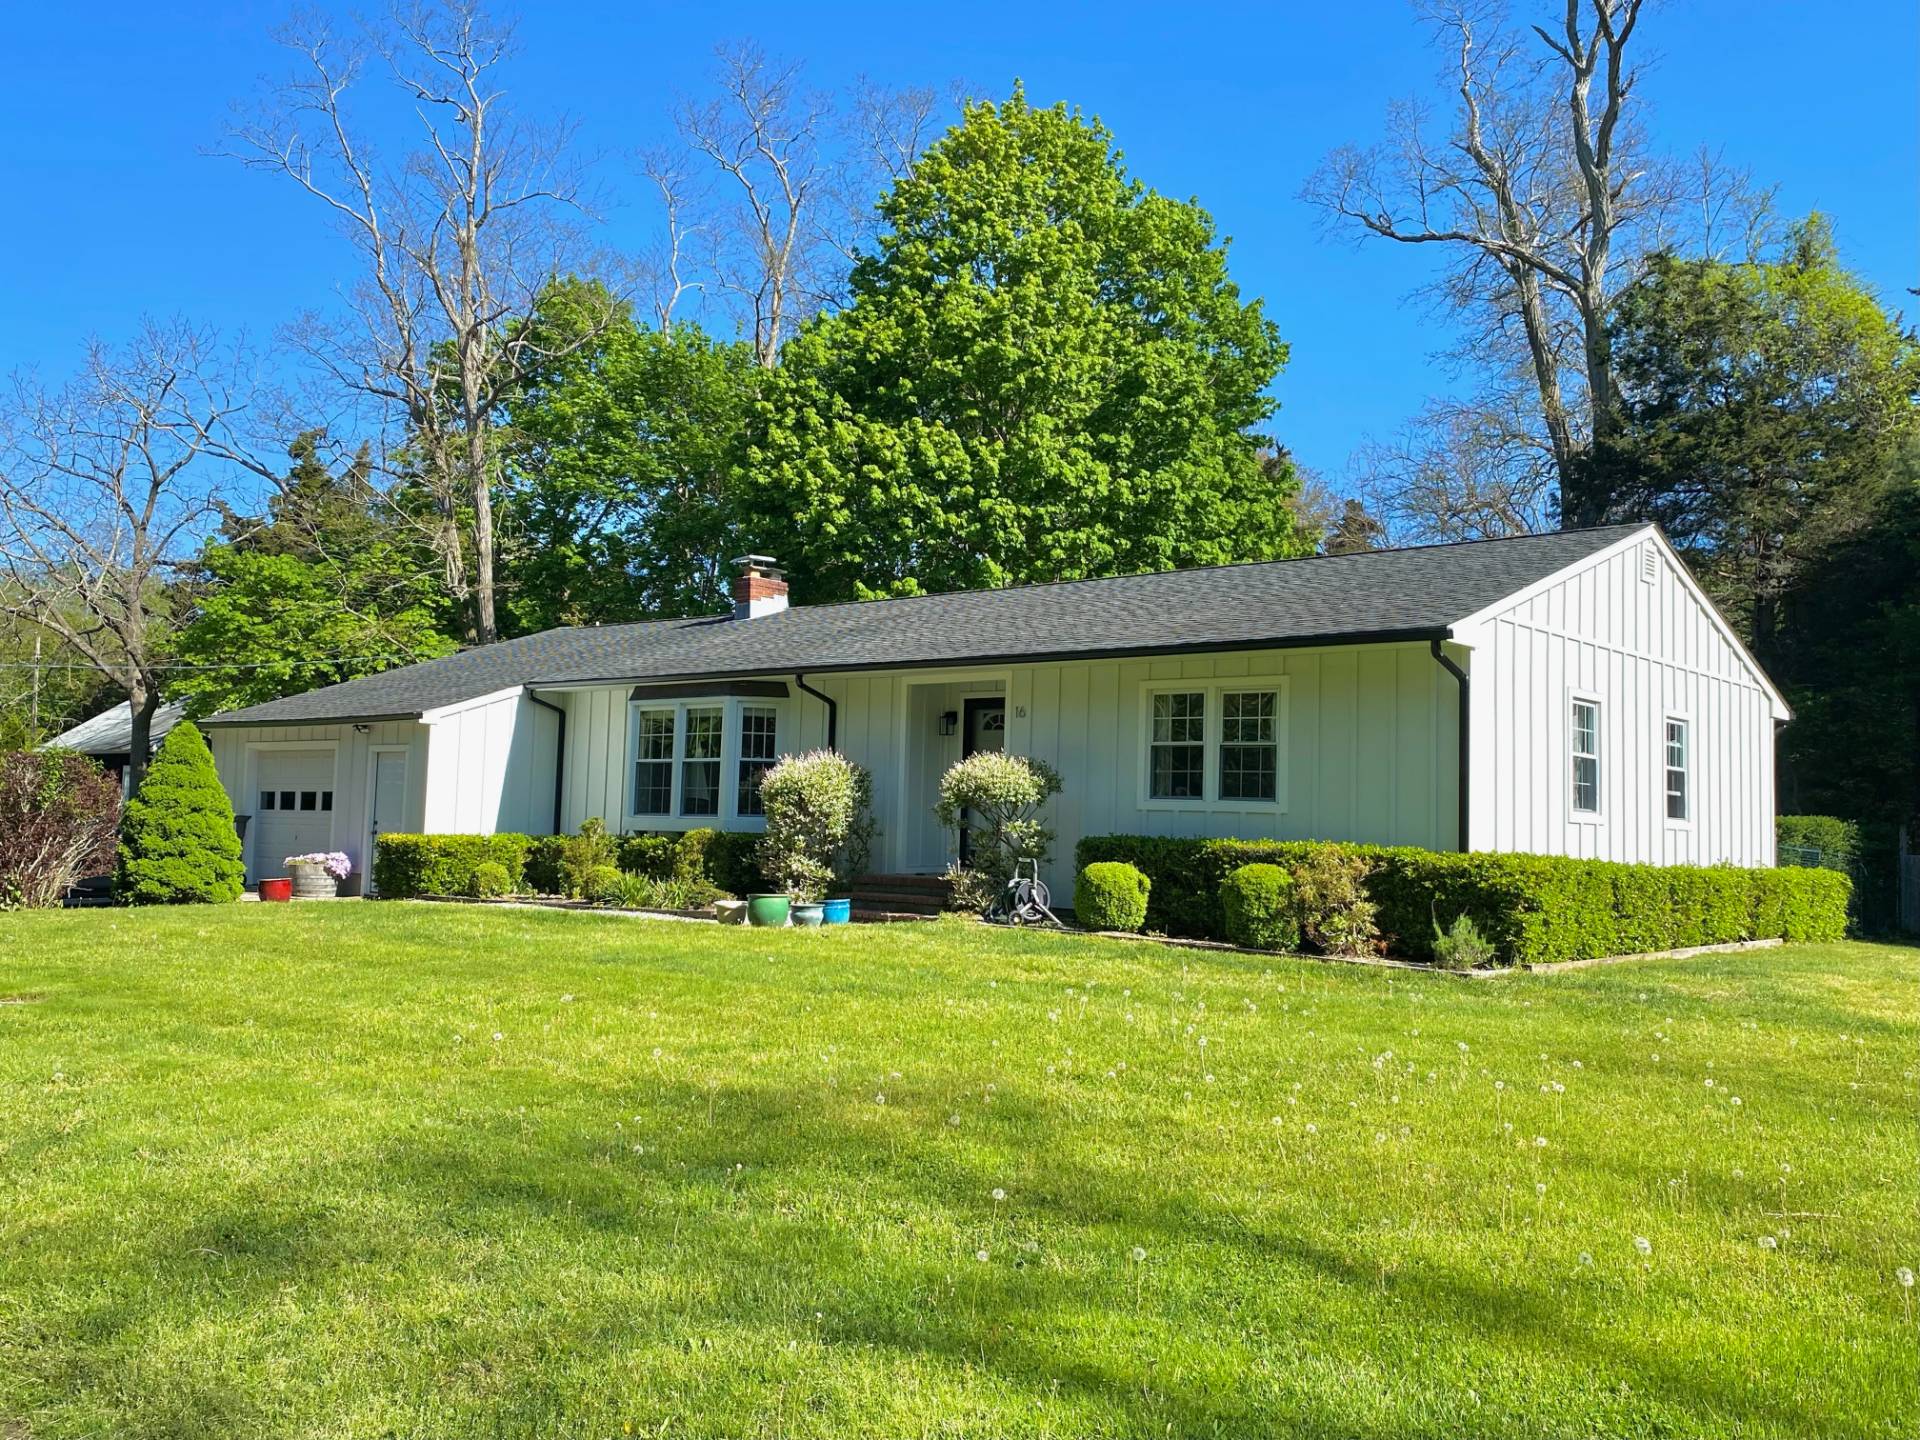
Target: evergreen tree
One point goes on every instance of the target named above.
(177, 839)
(333, 582)
(1044, 372)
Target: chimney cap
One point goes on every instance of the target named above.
(756, 562)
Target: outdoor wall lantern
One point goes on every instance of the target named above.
(949, 722)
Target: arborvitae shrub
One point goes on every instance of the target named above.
(177, 841)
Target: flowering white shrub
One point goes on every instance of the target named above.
(1001, 796)
(819, 829)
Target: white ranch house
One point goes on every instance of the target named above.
(1570, 694)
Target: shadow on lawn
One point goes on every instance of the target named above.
(750, 1253)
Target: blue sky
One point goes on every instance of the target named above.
(114, 212)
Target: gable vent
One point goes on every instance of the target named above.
(1649, 564)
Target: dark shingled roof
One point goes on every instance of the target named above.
(111, 731)
(1377, 595)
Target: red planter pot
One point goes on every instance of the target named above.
(281, 889)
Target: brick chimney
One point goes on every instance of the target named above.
(759, 588)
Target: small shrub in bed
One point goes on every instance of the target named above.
(607, 885)
(490, 881)
(1000, 797)
(731, 859)
(1335, 913)
(1111, 895)
(1262, 910)
(1461, 948)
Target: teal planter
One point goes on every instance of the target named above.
(838, 912)
(810, 914)
(768, 909)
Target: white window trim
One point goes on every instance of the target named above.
(730, 706)
(1598, 814)
(1209, 797)
(1692, 770)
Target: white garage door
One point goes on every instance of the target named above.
(293, 813)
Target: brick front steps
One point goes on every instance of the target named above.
(899, 897)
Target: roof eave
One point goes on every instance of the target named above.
(239, 720)
(1417, 634)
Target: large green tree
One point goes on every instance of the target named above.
(620, 500)
(1761, 404)
(333, 582)
(1043, 372)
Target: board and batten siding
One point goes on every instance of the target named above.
(1369, 751)
(1630, 630)
(236, 752)
(490, 766)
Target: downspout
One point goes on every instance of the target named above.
(833, 709)
(1466, 733)
(559, 760)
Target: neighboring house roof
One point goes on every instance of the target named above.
(1377, 595)
(111, 731)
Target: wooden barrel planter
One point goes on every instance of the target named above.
(312, 882)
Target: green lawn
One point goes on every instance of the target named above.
(422, 1170)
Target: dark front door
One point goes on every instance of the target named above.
(983, 728)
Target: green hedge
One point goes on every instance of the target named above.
(1536, 909)
(409, 865)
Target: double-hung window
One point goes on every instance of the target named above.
(1215, 745)
(1249, 745)
(1679, 770)
(700, 761)
(1584, 733)
(759, 744)
(1177, 750)
(653, 762)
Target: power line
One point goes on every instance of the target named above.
(323, 662)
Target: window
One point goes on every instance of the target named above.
(653, 764)
(1249, 745)
(1176, 755)
(700, 762)
(286, 800)
(326, 800)
(1679, 796)
(759, 741)
(1586, 757)
(266, 799)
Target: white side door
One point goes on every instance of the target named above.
(388, 809)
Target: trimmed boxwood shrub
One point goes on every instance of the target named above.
(490, 881)
(1535, 909)
(1262, 912)
(177, 840)
(1111, 895)
(408, 865)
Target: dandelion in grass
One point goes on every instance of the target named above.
(1905, 1276)
(880, 1099)
(1586, 1258)
(1539, 1142)
(498, 1036)
(1768, 1242)
(981, 1256)
(1643, 1245)
(954, 1121)
(998, 1194)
